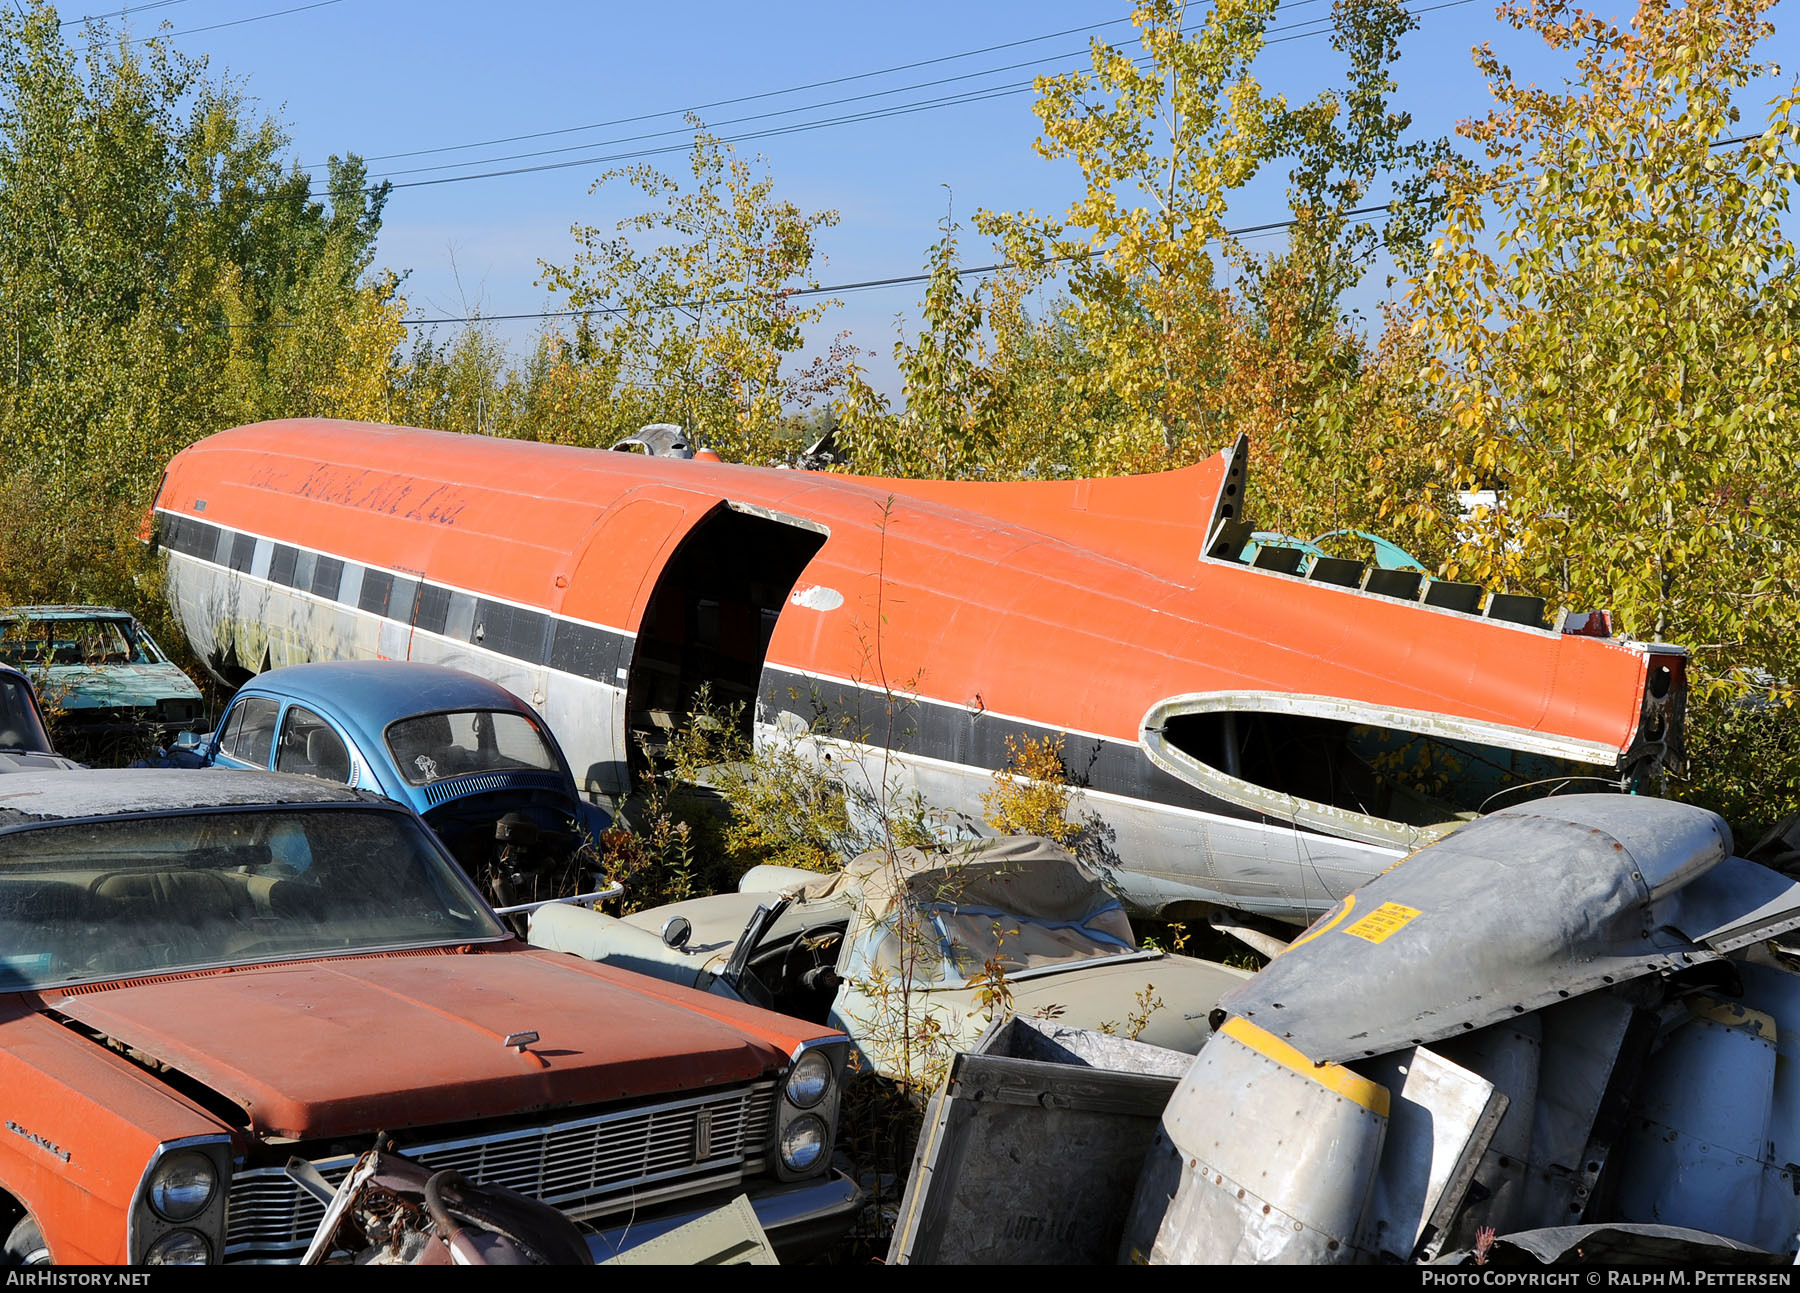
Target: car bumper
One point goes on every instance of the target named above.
(801, 1218)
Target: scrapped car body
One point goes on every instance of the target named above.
(207, 976)
(102, 670)
(468, 756)
(24, 737)
(1572, 1019)
(1250, 734)
(933, 939)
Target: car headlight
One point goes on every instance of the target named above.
(179, 1248)
(177, 1215)
(182, 1186)
(803, 1142)
(809, 1079)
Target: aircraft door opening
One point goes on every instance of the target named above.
(709, 619)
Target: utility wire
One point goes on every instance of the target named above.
(970, 96)
(803, 127)
(865, 285)
(235, 22)
(770, 94)
(1244, 231)
(127, 10)
(894, 110)
(750, 98)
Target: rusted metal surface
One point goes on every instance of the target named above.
(328, 1050)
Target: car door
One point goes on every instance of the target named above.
(247, 736)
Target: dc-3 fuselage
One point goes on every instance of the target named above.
(1243, 733)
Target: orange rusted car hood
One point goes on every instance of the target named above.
(342, 1047)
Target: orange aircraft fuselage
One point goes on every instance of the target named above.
(1241, 735)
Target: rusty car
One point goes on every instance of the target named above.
(205, 979)
(110, 682)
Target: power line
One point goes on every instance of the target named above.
(976, 95)
(894, 110)
(126, 10)
(235, 22)
(765, 94)
(865, 285)
(1244, 231)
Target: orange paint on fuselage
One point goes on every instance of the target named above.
(1077, 605)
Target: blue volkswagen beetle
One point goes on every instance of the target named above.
(472, 759)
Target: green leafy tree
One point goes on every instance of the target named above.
(1147, 360)
(1161, 143)
(703, 328)
(1613, 307)
(1612, 312)
(163, 274)
(946, 426)
(151, 237)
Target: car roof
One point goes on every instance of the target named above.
(113, 792)
(8, 671)
(376, 692)
(63, 613)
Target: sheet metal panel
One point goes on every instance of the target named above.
(1517, 911)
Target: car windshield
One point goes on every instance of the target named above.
(19, 725)
(432, 747)
(47, 641)
(127, 897)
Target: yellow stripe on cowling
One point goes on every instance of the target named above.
(1732, 1015)
(1370, 1095)
(1326, 925)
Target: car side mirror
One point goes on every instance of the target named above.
(187, 740)
(676, 932)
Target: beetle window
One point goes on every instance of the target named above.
(310, 748)
(250, 731)
(432, 747)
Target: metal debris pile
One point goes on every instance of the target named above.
(1563, 1033)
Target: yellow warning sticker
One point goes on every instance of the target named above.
(1384, 920)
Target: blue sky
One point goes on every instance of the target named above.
(385, 77)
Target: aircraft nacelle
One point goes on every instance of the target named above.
(1249, 733)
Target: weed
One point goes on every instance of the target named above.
(1032, 795)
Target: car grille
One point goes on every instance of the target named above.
(438, 792)
(584, 1166)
